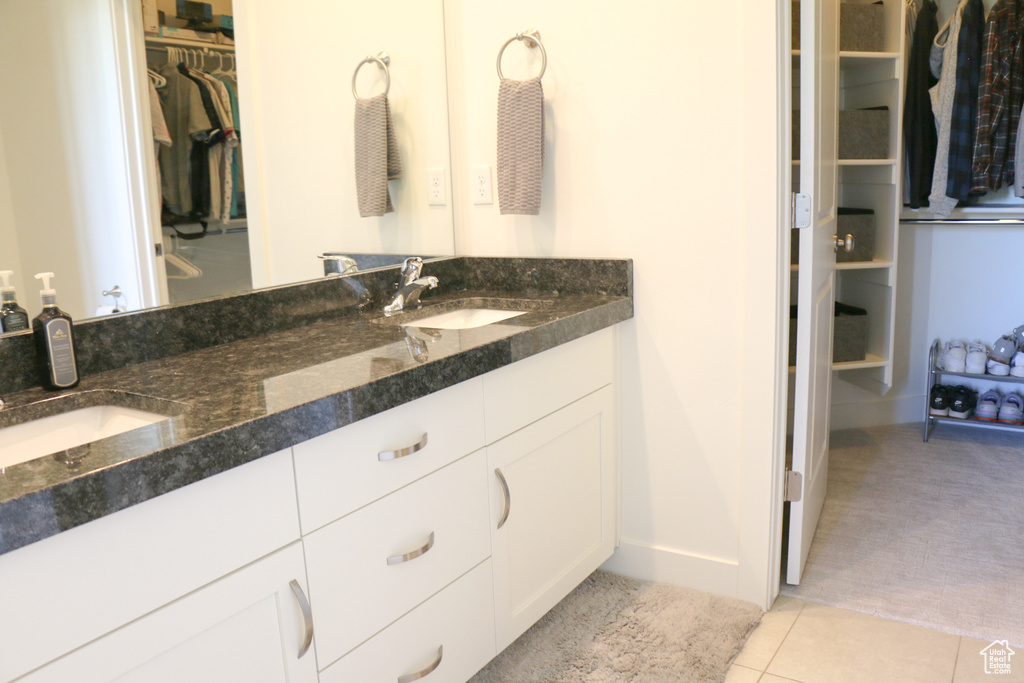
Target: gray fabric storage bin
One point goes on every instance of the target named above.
(850, 334)
(864, 133)
(861, 224)
(861, 27)
(850, 340)
(857, 222)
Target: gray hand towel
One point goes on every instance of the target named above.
(376, 154)
(520, 146)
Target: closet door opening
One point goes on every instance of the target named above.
(197, 136)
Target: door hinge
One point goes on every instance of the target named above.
(794, 487)
(801, 210)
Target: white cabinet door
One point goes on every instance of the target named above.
(248, 626)
(552, 509)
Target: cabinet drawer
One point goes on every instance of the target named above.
(356, 590)
(456, 625)
(89, 580)
(342, 471)
(524, 392)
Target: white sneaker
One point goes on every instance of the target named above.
(977, 357)
(994, 367)
(1012, 410)
(1017, 364)
(953, 357)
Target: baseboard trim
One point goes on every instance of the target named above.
(883, 411)
(668, 565)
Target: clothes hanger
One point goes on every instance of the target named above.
(158, 80)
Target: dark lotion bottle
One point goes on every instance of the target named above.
(55, 342)
(12, 316)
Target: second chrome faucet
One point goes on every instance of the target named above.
(410, 286)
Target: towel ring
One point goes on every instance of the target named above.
(381, 59)
(532, 39)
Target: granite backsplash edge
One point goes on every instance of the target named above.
(119, 341)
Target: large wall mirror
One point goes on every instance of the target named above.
(79, 200)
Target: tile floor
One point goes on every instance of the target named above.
(810, 643)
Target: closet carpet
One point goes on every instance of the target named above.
(613, 629)
(925, 533)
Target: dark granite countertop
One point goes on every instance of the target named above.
(244, 399)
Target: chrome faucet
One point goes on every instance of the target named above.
(410, 286)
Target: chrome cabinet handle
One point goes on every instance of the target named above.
(307, 616)
(402, 452)
(409, 678)
(508, 497)
(413, 554)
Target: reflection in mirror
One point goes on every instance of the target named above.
(301, 128)
(78, 173)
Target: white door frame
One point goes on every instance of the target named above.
(140, 158)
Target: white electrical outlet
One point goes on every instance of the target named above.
(437, 193)
(481, 190)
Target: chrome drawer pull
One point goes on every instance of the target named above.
(402, 452)
(508, 497)
(413, 554)
(307, 616)
(409, 678)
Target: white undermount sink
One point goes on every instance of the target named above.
(30, 440)
(463, 319)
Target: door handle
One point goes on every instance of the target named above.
(846, 244)
(413, 554)
(307, 616)
(384, 456)
(508, 497)
(409, 678)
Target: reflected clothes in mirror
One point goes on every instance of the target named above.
(200, 171)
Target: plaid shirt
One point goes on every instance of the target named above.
(965, 101)
(1000, 93)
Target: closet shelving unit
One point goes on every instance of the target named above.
(935, 374)
(873, 79)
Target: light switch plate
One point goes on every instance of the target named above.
(437, 192)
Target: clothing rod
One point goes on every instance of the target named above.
(966, 221)
(158, 44)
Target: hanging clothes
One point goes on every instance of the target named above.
(161, 135)
(911, 8)
(944, 57)
(999, 99)
(918, 121)
(965, 101)
(186, 118)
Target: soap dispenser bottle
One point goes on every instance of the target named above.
(12, 316)
(55, 340)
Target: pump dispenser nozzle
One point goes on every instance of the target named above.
(7, 291)
(47, 294)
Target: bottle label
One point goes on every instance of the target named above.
(63, 371)
(14, 321)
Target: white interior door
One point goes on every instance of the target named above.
(819, 96)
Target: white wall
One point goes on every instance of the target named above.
(10, 254)
(661, 127)
(300, 178)
(64, 150)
